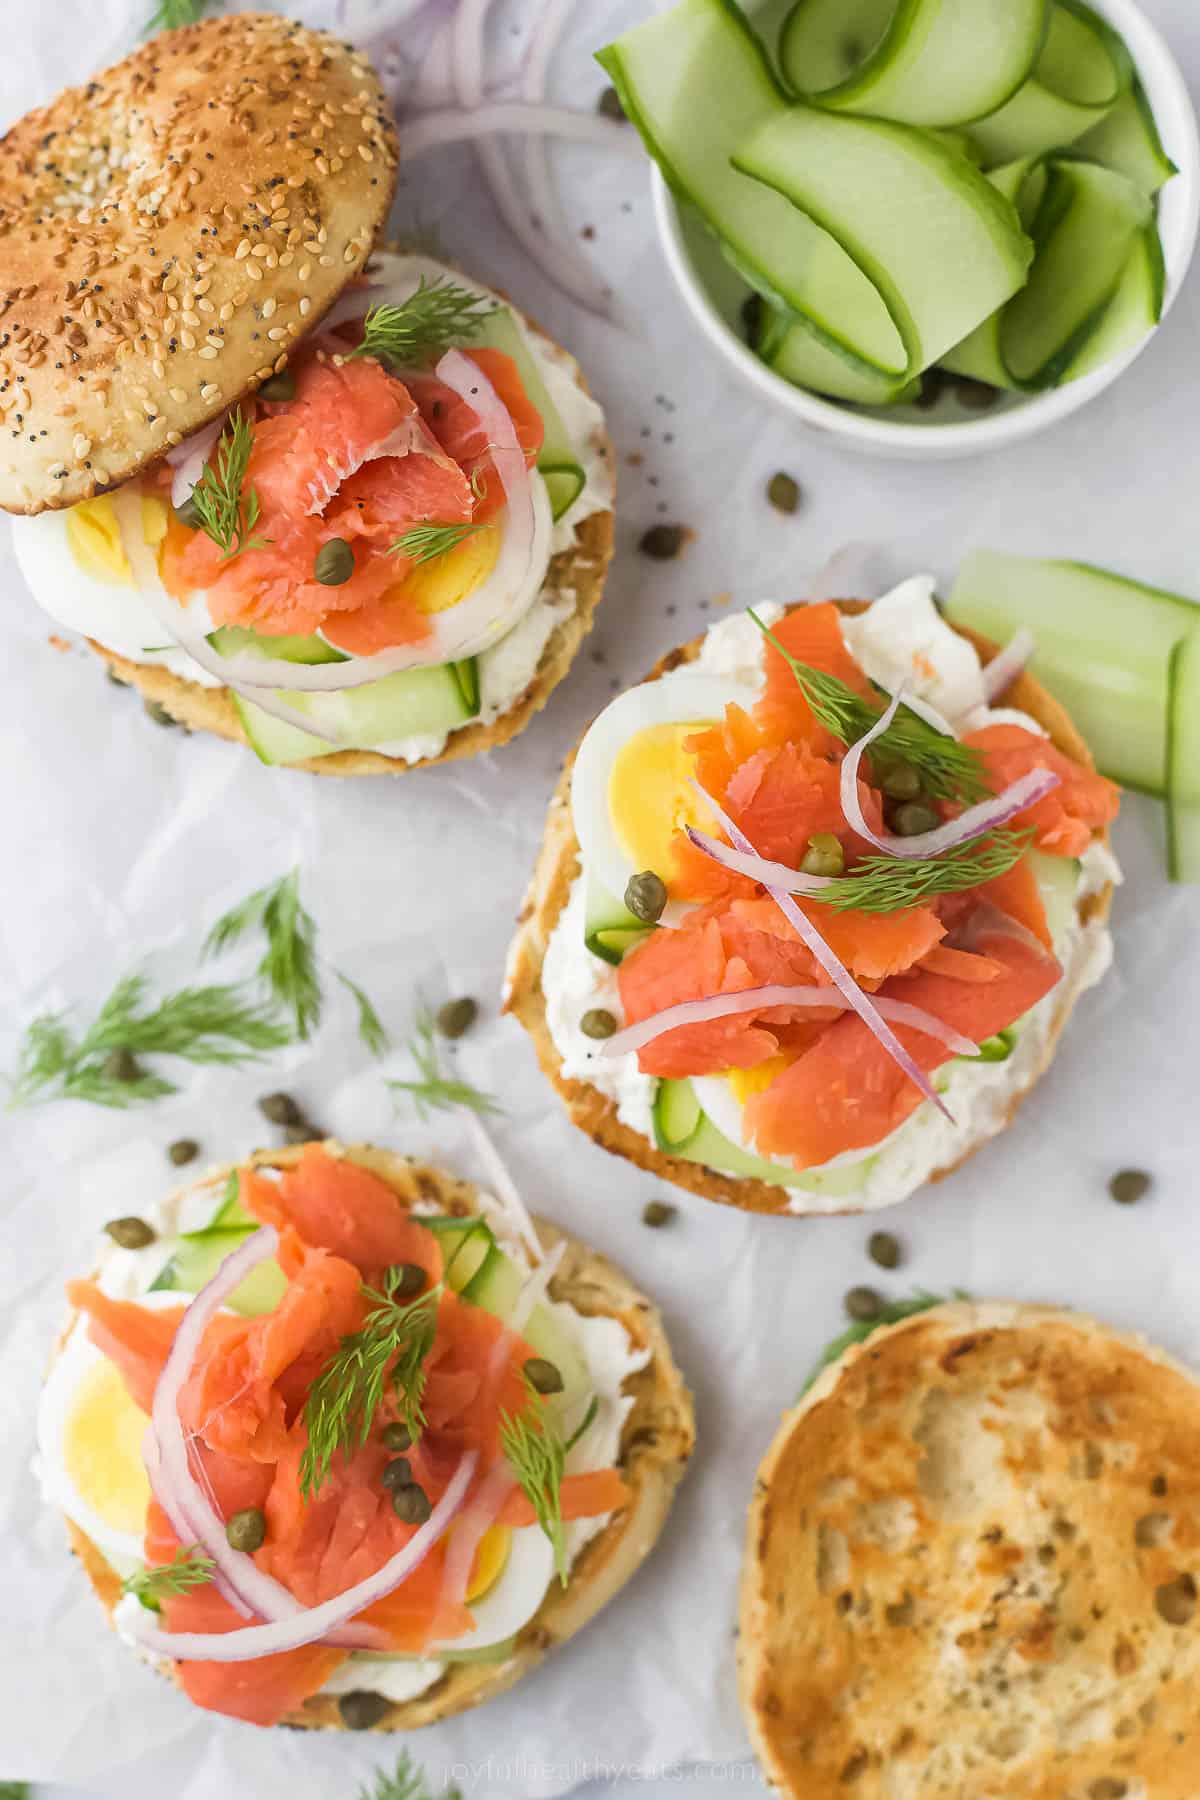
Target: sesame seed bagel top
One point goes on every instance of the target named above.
(168, 233)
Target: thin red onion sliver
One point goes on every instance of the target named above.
(526, 118)
(758, 868)
(188, 459)
(506, 1190)
(1004, 667)
(975, 822)
(722, 1006)
(837, 972)
(476, 1518)
(316, 1624)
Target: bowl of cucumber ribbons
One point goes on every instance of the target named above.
(926, 227)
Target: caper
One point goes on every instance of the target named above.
(657, 1213)
(783, 493)
(863, 1303)
(543, 1377)
(396, 1436)
(884, 1249)
(398, 1473)
(914, 818)
(281, 1109)
(247, 1529)
(279, 387)
(122, 1065)
(824, 855)
(334, 563)
(183, 1150)
(302, 1132)
(1128, 1186)
(189, 513)
(646, 896)
(361, 1711)
(457, 1017)
(663, 542)
(131, 1233)
(597, 1023)
(411, 1504)
(158, 714)
(609, 105)
(900, 781)
(1175, 1601)
(407, 1280)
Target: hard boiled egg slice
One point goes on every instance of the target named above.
(518, 1566)
(631, 788)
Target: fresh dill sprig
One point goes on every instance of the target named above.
(406, 1782)
(890, 1314)
(884, 884)
(388, 1351)
(438, 314)
(189, 1569)
(949, 770)
(536, 1452)
(172, 13)
(437, 1090)
(226, 514)
(425, 543)
(221, 1024)
(371, 1028)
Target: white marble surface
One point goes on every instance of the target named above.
(126, 841)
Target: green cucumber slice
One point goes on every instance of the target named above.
(1127, 139)
(230, 1214)
(701, 61)
(465, 1245)
(1083, 70)
(411, 703)
(558, 464)
(1058, 883)
(495, 1288)
(677, 1115)
(895, 198)
(995, 1049)
(230, 640)
(1103, 648)
(787, 344)
(705, 1144)
(1183, 760)
(609, 929)
(979, 356)
(921, 62)
(1134, 310)
(199, 1255)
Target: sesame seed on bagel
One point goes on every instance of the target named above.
(170, 231)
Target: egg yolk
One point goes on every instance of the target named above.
(650, 796)
(442, 582)
(743, 1083)
(102, 1450)
(491, 1557)
(94, 537)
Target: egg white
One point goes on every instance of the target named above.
(687, 699)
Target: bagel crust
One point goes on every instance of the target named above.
(554, 874)
(656, 1443)
(170, 232)
(970, 1568)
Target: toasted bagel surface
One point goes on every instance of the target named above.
(554, 873)
(171, 231)
(970, 1568)
(656, 1443)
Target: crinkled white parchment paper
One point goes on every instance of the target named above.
(125, 840)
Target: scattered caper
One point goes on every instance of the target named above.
(411, 1504)
(544, 1377)
(361, 1711)
(657, 1213)
(884, 1249)
(407, 1280)
(663, 542)
(783, 493)
(334, 563)
(457, 1017)
(131, 1233)
(189, 513)
(396, 1436)
(1128, 1186)
(646, 896)
(824, 855)
(281, 1109)
(863, 1303)
(609, 105)
(1175, 1601)
(183, 1150)
(900, 781)
(302, 1132)
(247, 1529)
(914, 818)
(157, 714)
(597, 1023)
(122, 1065)
(279, 387)
(398, 1473)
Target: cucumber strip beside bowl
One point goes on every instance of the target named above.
(1183, 759)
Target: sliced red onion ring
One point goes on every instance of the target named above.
(188, 459)
(454, 125)
(316, 1624)
(976, 822)
(476, 1518)
(758, 868)
(722, 1006)
(1004, 668)
(837, 972)
(930, 714)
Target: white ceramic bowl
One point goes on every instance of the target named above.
(714, 293)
